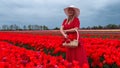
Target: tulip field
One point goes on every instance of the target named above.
(35, 50)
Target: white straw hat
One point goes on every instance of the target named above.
(77, 10)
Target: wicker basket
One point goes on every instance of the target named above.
(73, 43)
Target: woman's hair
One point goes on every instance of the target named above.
(68, 21)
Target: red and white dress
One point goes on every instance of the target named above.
(78, 53)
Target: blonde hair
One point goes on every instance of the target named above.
(68, 21)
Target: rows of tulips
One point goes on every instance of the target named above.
(101, 35)
(37, 41)
(102, 53)
(12, 56)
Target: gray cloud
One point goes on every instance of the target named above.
(50, 12)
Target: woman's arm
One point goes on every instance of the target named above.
(63, 32)
(71, 30)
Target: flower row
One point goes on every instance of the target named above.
(16, 57)
(101, 52)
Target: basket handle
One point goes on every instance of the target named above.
(77, 34)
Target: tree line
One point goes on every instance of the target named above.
(25, 27)
(109, 26)
(43, 27)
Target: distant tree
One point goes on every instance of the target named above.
(97, 27)
(40, 27)
(30, 27)
(88, 27)
(45, 27)
(111, 26)
(16, 27)
(56, 28)
(4, 27)
(36, 27)
(94, 27)
(11, 27)
(119, 26)
(24, 27)
(100, 27)
(83, 28)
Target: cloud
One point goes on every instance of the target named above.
(99, 13)
(110, 14)
(50, 12)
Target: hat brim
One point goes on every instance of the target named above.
(77, 11)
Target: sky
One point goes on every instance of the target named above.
(51, 13)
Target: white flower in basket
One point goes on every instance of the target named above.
(73, 43)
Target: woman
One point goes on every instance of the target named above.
(67, 29)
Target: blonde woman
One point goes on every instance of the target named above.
(67, 29)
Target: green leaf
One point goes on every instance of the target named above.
(102, 59)
(106, 66)
(114, 65)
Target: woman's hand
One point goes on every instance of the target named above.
(65, 35)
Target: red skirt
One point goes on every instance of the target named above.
(77, 54)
